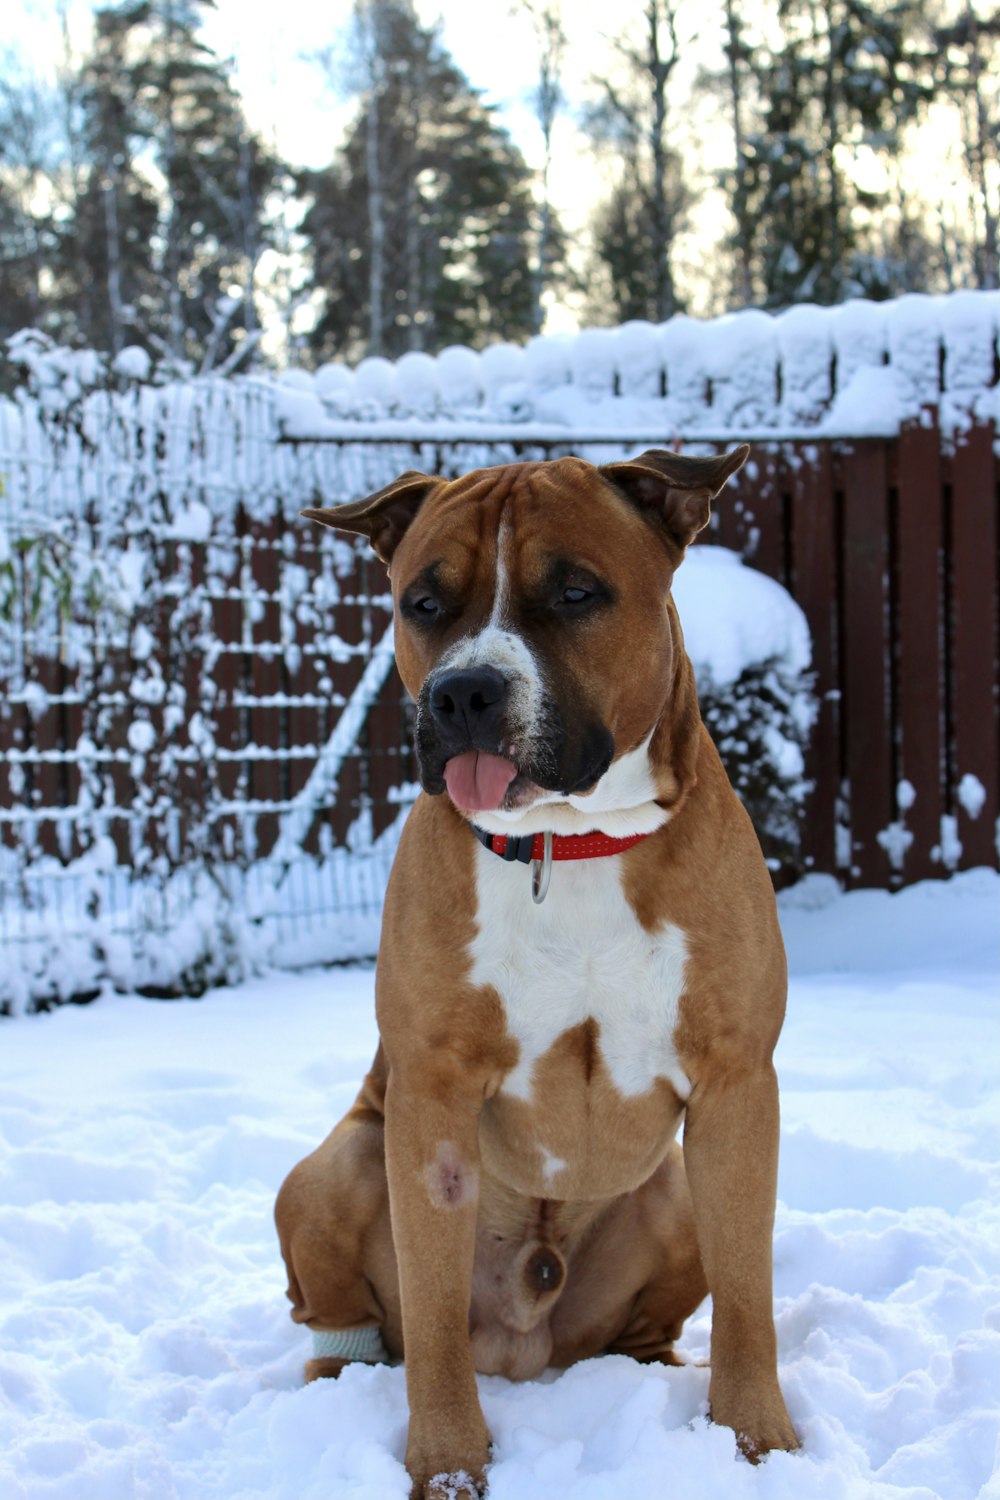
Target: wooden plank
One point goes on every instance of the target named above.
(735, 509)
(814, 586)
(265, 680)
(303, 682)
(42, 735)
(919, 632)
(766, 544)
(868, 761)
(976, 742)
(388, 748)
(227, 622)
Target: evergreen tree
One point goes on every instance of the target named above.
(169, 247)
(968, 53)
(420, 230)
(848, 73)
(550, 35)
(29, 230)
(107, 285)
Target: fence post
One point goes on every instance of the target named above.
(919, 643)
(976, 741)
(865, 663)
(814, 585)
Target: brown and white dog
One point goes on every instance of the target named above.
(506, 1193)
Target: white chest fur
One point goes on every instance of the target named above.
(581, 953)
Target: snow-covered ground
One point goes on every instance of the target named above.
(145, 1348)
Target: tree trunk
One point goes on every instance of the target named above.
(743, 277)
(660, 70)
(979, 136)
(376, 201)
(172, 259)
(109, 192)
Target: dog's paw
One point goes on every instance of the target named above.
(464, 1479)
(457, 1486)
(757, 1445)
(760, 1421)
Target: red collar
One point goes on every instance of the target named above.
(531, 846)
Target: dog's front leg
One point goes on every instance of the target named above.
(432, 1158)
(731, 1157)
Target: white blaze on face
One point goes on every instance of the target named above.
(497, 646)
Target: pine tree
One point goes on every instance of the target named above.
(550, 35)
(30, 233)
(173, 245)
(968, 53)
(420, 230)
(848, 73)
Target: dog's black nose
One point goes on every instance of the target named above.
(467, 700)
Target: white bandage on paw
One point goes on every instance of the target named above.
(364, 1344)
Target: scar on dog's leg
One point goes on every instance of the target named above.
(450, 1182)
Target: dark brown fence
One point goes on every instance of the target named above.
(889, 546)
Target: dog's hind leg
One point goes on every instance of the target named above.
(332, 1215)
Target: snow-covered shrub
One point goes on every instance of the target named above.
(749, 643)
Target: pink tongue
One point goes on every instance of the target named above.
(476, 780)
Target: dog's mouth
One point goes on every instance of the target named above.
(477, 781)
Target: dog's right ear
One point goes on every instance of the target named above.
(383, 517)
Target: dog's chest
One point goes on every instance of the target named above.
(581, 955)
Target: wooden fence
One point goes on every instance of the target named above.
(890, 547)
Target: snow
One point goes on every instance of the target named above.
(971, 794)
(906, 795)
(735, 617)
(192, 523)
(870, 405)
(133, 362)
(147, 1352)
(860, 369)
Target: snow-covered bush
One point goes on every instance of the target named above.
(749, 643)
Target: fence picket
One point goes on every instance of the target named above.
(919, 643)
(976, 746)
(814, 583)
(864, 663)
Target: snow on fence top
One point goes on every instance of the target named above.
(857, 370)
(80, 436)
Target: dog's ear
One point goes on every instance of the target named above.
(383, 517)
(675, 490)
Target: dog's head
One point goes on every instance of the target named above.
(534, 625)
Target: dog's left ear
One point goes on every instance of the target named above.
(383, 517)
(674, 490)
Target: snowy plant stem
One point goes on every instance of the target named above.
(322, 783)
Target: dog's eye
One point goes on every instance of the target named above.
(422, 607)
(576, 596)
